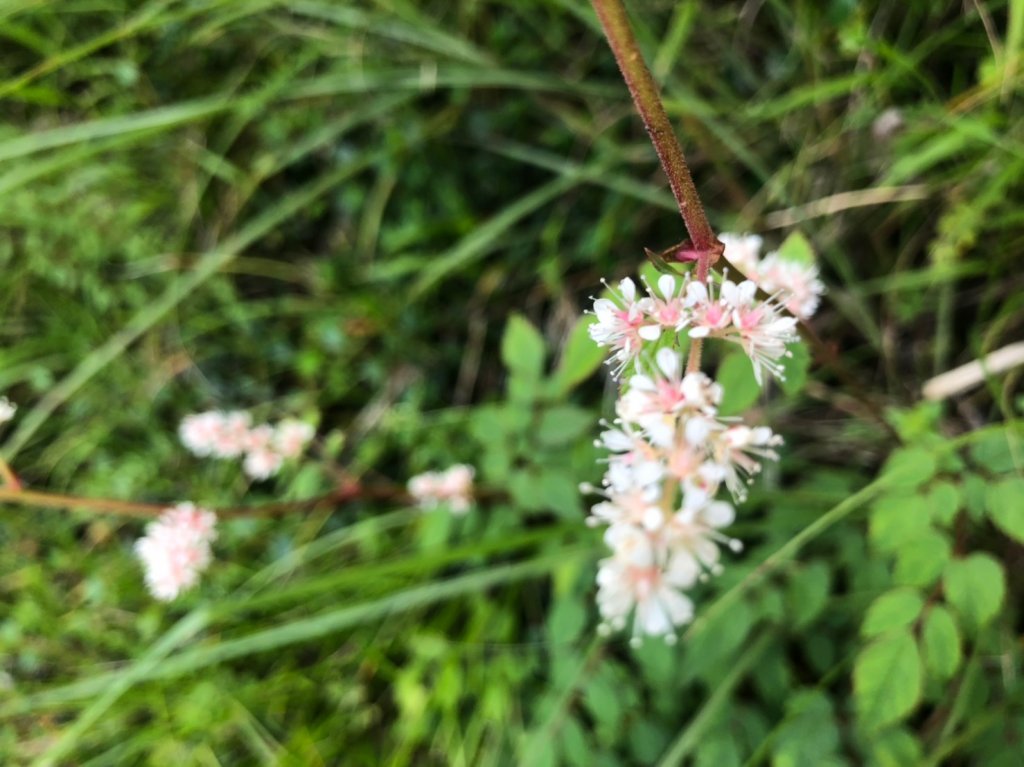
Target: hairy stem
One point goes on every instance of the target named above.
(645, 95)
(648, 103)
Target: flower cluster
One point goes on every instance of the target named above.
(715, 308)
(7, 410)
(176, 549)
(795, 284)
(669, 452)
(452, 488)
(263, 448)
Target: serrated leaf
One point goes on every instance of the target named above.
(887, 680)
(1004, 502)
(739, 387)
(975, 587)
(580, 358)
(798, 249)
(909, 467)
(940, 643)
(894, 609)
(522, 349)
(921, 560)
(564, 424)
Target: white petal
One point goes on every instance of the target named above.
(667, 285)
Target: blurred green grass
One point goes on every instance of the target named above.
(332, 210)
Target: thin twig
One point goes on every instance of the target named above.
(340, 496)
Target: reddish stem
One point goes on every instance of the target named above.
(645, 95)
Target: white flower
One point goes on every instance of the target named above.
(291, 437)
(622, 325)
(737, 451)
(262, 463)
(176, 549)
(7, 410)
(666, 309)
(636, 580)
(708, 314)
(452, 488)
(216, 433)
(797, 285)
(694, 532)
(742, 251)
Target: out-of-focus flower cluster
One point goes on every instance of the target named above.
(452, 488)
(669, 452)
(176, 549)
(795, 284)
(263, 448)
(7, 410)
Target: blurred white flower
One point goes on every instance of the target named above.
(176, 549)
(452, 488)
(7, 410)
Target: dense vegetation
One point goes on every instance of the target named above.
(387, 217)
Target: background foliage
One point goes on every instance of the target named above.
(387, 216)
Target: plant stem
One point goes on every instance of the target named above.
(645, 95)
(147, 510)
(648, 103)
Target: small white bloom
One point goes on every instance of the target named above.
(797, 285)
(452, 488)
(291, 437)
(742, 251)
(176, 549)
(7, 410)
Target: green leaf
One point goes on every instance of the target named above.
(909, 467)
(975, 587)
(559, 493)
(887, 680)
(795, 368)
(809, 736)
(563, 425)
(944, 501)
(940, 643)
(897, 519)
(996, 452)
(739, 387)
(718, 750)
(921, 560)
(525, 490)
(798, 249)
(807, 593)
(893, 610)
(580, 358)
(1005, 504)
(894, 748)
(522, 349)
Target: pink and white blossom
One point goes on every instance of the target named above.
(176, 549)
(452, 488)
